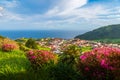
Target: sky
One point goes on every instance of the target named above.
(58, 14)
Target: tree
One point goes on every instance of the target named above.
(31, 44)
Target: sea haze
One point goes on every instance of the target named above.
(40, 34)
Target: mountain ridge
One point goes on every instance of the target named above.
(105, 32)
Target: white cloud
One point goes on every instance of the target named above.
(72, 12)
(1, 8)
(5, 11)
(90, 16)
(12, 16)
(7, 16)
(71, 4)
(9, 4)
(65, 6)
(77, 14)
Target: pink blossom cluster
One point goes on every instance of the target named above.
(40, 57)
(8, 47)
(99, 61)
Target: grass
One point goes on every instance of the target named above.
(15, 66)
(15, 60)
(43, 48)
(86, 49)
(12, 63)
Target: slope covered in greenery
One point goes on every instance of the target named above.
(106, 32)
(76, 60)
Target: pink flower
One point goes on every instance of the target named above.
(99, 58)
(31, 52)
(104, 64)
(83, 57)
(8, 47)
(46, 52)
(33, 57)
(40, 57)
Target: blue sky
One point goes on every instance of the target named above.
(58, 14)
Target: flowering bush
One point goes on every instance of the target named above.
(40, 57)
(9, 47)
(7, 44)
(100, 64)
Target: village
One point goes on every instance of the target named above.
(58, 44)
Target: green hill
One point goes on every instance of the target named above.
(106, 32)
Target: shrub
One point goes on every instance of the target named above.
(31, 44)
(8, 41)
(70, 54)
(38, 58)
(9, 47)
(63, 71)
(24, 48)
(100, 64)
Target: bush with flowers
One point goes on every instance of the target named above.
(9, 47)
(7, 44)
(38, 58)
(100, 64)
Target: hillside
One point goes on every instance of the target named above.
(106, 32)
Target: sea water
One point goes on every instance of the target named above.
(15, 34)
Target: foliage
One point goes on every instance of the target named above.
(24, 48)
(63, 71)
(15, 66)
(21, 40)
(43, 48)
(107, 32)
(9, 47)
(114, 41)
(86, 49)
(8, 41)
(31, 43)
(75, 63)
(38, 58)
(11, 64)
(70, 54)
(100, 64)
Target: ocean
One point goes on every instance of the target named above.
(12, 34)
